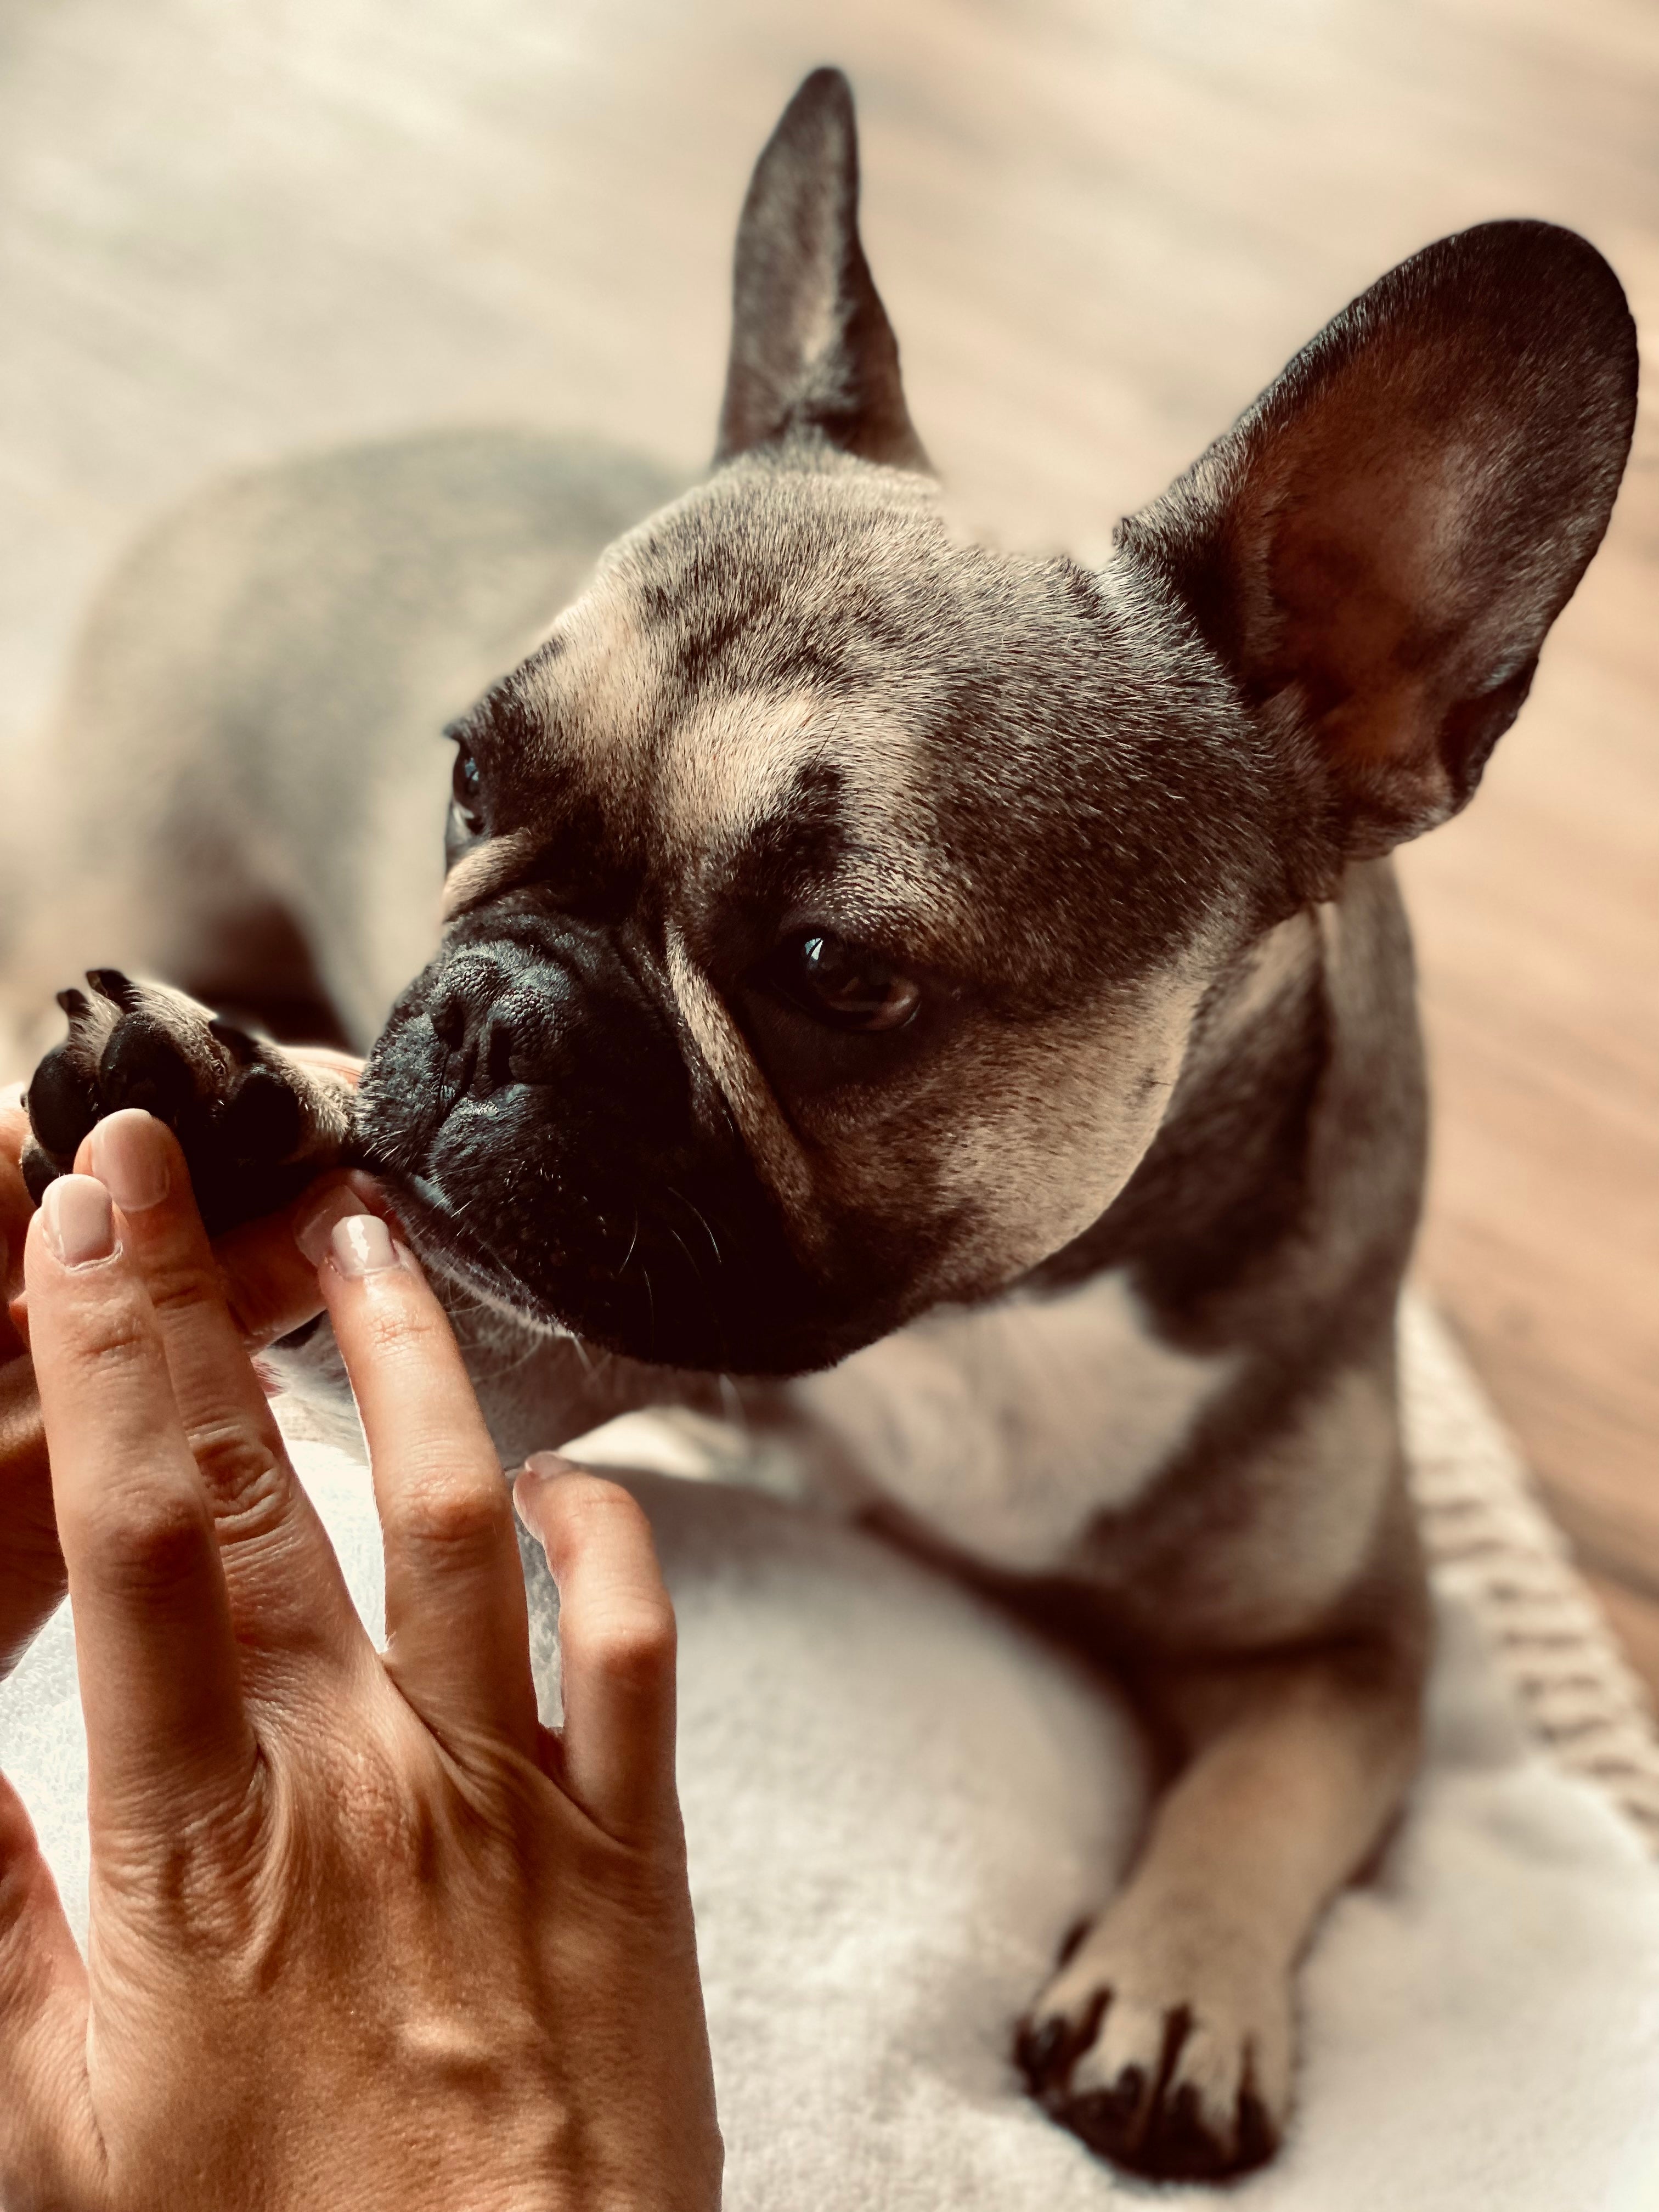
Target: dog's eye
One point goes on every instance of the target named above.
(467, 786)
(845, 984)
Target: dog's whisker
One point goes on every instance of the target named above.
(701, 1218)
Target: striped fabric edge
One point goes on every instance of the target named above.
(1489, 1538)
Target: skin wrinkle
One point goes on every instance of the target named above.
(765, 1130)
(485, 871)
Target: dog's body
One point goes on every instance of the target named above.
(963, 998)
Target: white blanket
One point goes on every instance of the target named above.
(896, 1802)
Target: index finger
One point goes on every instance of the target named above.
(287, 1595)
(157, 1661)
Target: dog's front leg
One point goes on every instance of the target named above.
(1165, 2039)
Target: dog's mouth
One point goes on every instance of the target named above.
(632, 1289)
(442, 1242)
(661, 1256)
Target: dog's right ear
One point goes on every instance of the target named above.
(812, 349)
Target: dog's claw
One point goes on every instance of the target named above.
(1040, 2052)
(1110, 2121)
(1170, 2056)
(1045, 2051)
(1258, 2138)
(121, 990)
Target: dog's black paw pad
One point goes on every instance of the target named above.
(264, 1120)
(62, 1103)
(39, 1169)
(142, 1066)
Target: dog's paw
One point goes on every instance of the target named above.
(256, 1124)
(1166, 2044)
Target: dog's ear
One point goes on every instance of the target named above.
(1378, 546)
(812, 347)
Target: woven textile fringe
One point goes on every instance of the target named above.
(1488, 1537)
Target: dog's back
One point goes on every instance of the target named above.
(243, 789)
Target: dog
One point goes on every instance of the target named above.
(951, 1005)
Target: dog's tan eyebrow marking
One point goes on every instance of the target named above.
(487, 869)
(503, 720)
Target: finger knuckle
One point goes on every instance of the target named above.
(380, 1818)
(395, 1325)
(452, 1517)
(594, 1511)
(146, 1539)
(632, 1642)
(180, 1285)
(243, 1472)
(110, 1343)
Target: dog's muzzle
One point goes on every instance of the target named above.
(532, 1103)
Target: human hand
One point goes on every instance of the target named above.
(361, 1931)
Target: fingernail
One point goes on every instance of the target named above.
(541, 1470)
(545, 1466)
(362, 1245)
(313, 1229)
(12, 1097)
(129, 1157)
(77, 1220)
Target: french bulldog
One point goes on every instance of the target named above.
(951, 1007)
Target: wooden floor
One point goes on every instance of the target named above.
(1099, 227)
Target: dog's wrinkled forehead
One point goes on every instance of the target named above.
(801, 686)
(770, 654)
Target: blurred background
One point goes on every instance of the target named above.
(232, 228)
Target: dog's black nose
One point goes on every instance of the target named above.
(496, 1028)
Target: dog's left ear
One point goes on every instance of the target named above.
(1379, 545)
(812, 347)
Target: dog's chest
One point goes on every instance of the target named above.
(1009, 1429)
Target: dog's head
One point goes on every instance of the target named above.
(831, 897)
